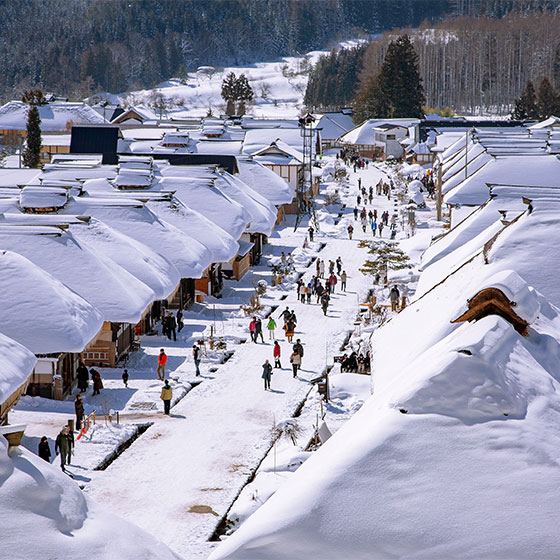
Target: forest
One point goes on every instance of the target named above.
(75, 47)
(474, 65)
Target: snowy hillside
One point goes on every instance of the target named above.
(279, 88)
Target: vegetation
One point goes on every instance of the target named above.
(32, 152)
(387, 256)
(396, 91)
(238, 90)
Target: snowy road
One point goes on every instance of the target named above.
(179, 478)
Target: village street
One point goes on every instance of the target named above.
(179, 478)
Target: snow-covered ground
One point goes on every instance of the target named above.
(180, 477)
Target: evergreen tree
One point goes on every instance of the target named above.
(243, 90)
(229, 84)
(548, 101)
(387, 256)
(397, 88)
(32, 152)
(526, 105)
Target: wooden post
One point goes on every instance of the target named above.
(439, 188)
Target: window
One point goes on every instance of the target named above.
(391, 136)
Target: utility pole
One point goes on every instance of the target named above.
(304, 193)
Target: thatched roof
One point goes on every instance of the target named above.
(492, 301)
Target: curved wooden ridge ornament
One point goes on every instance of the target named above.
(492, 301)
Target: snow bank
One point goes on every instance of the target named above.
(46, 514)
(16, 365)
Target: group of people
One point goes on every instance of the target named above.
(355, 363)
(83, 379)
(296, 358)
(63, 447)
(170, 324)
(288, 261)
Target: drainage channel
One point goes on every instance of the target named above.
(141, 428)
(222, 526)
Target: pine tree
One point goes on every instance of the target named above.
(243, 93)
(548, 101)
(526, 105)
(229, 84)
(32, 152)
(397, 90)
(387, 257)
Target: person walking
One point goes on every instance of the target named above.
(319, 290)
(45, 449)
(338, 265)
(196, 358)
(332, 282)
(125, 378)
(325, 302)
(301, 292)
(162, 360)
(286, 314)
(164, 323)
(309, 291)
(171, 326)
(322, 269)
(364, 223)
(343, 281)
(276, 355)
(180, 323)
(311, 232)
(79, 409)
(373, 225)
(295, 360)
(318, 267)
(380, 229)
(298, 347)
(290, 328)
(283, 259)
(166, 396)
(97, 382)
(290, 261)
(62, 447)
(356, 212)
(266, 374)
(252, 327)
(271, 325)
(83, 377)
(394, 295)
(258, 329)
(350, 231)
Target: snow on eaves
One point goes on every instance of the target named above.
(40, 312)
(16, 365)
(264, 181)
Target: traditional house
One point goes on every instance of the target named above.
(332, 126)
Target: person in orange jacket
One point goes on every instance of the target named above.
(162, 360)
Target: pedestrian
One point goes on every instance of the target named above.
(356, 212)
(196, 358)
(393, 231)
(311, 232)
(309, 291)
(290, 261)
(164, 323)
(271, 325)
(283, 259)
(286, 314)
(171, 326)
(252, 327)
(380, 226)
(373, 228)
(276, 354)
(331, 267)
(162, 360)
(44, 449)
(301, 292)
(258, 329)
(266, 374)
(322, 269)
(319, 290)
(332, 282)
(166, 396)
(358, 201)
(290, 328)
(295, 360)
(62, 447)
(364, 223)
(298, 347)
(125, 378)
(350, 231)
(325, 302)
(83, 377)
(360, 183)
(79, 408)
(97, 382)
(394, 296)
(180, 323)
(343, 281)
(338, 265)
(318, 267)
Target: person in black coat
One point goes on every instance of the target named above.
(171, 326)
(79, 408)
(258, 330)
(44, 449)
(83, 377)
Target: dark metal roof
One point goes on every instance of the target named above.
(96, 140)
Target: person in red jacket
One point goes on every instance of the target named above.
(276, 354)
(162, 360)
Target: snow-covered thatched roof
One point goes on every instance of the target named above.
(55, 117)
